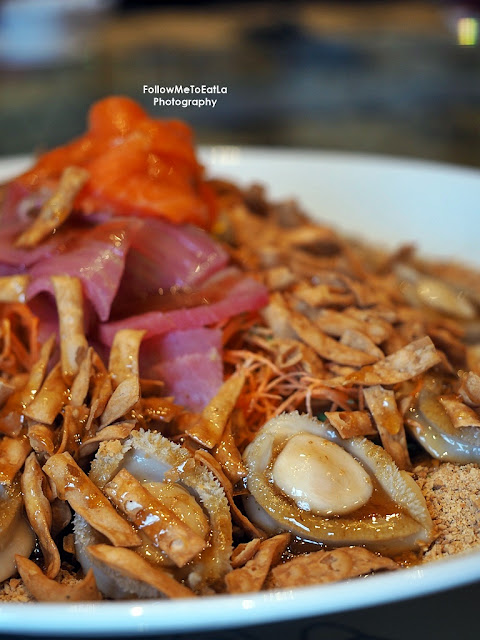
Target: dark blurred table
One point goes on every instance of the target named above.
(394, 78)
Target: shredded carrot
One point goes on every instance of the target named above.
(272, 388)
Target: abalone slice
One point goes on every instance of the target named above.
(303, 478)
(169, 472)
(430, 424)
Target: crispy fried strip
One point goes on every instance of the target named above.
(208, 431)
(151, 388)
(88, 501)
(351, 423)
(22, 322)
(470, 389)
(323, 295)
(38, 371)
(73, 344)
(48, 402)
(383, 407)
(253, 574)
(277, 316)
(13, 452)
(212, 465)
(57, 208)
(5, 334)
(325, 346)
(149, 515)
(39, 513)
(327, 566)
(459, 413)
(117, 431)
(158, 409)
(6, 390)
(122, 400)
(131, 565)
(245, 552)
(406, 363)
(13, 288)
(42, 439)
(473, 358)
(101, 386)
(61, 512)
(335, 323)
(74, 419)
(229, 457)
(81, 383)
(362, 342)
(44, 589)
(123, 361)
(278, 278)
(389, 421)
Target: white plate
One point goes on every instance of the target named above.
(384, 199)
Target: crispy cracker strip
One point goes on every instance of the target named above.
(459, 413)
(56, 209)
(159, 409)
(13, 288)
(244, 552)
(253, 574)
(277, 316)
(74, 419)
(351, 423)
(151, 388)
(5, 335)
(406, 363)
(473, 358)
(123, 361)
(131, 565)
(335, 323)
(122, 400)
(101, 384)
(383, 407)
(117, 431)
(13, 452)
(212, 465)
(81, 383)
(61, 513)
(44, 589)
(323, 295)
(278, 278)
(151, 516)
(208, 431)
(469, 389)
(6, 390)
(327, 566)
(50, 399)
(42, 439)
(38, 371)
(229, 457)
(327, 347)
(73, 344)
(39, 513)
(88, 501)
(362, 342)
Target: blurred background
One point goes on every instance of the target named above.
(398, 78)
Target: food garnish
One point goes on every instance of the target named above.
(205, 392)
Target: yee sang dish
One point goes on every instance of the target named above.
(205, 392)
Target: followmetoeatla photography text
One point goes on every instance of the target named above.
(180, 95)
